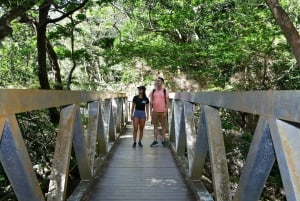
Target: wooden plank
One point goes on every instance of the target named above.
(140, 174)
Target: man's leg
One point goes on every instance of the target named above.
(155, 124)
(163, 120)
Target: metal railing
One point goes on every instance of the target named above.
(103, 124)
(277, 137)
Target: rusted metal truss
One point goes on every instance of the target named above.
(102, 124)
(277, 137)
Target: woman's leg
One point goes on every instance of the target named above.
(141, 128)
(135, 128)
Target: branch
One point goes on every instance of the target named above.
(15, 12)
(68, 13)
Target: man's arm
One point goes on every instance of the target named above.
(167, 101)
(147, 110)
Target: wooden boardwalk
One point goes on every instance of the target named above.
(140, 174)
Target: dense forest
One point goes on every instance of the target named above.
(115, 45)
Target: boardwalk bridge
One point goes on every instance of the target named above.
(152, 173)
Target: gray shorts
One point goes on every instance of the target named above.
(139, 114)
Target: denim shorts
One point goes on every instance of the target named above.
(140, 114)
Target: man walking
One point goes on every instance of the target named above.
(159, 99)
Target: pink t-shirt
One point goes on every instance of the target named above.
(158, 100)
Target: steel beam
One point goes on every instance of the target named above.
(23, 100)
(281, 104)
(260, 160)
(80, 149)
(16, 163)
(197, 143)
(102, 135)
(201, 148)
(172, 124)
(118, 115)
(190, 135)
(286, 138)
(109, 120)
(126, 110)
(93, 125)
(62, 154)
(180, 135)
(217, 154)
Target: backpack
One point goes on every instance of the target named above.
(164, 95)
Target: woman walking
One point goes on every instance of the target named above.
(139, 114)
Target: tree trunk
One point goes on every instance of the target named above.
(41, 45)
(42, 56)
(72, 54)
(55, 66)
(287, 26)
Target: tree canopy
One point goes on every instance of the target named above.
(225, 44)
(114, 45)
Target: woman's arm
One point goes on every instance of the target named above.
(132, 109)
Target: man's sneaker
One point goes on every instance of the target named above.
(163, 143)
(154, 143)
(140, 144)
(134, 145)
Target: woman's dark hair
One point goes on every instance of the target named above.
(144, 91)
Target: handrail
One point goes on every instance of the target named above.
(22, 100)
(102, 130)
(276, 137)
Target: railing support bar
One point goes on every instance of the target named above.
(286, 138)
(16, 163)
(80, 149)
(61, 161)
(260, 160)
(217, 154)
(93, 122)
(180, 135)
